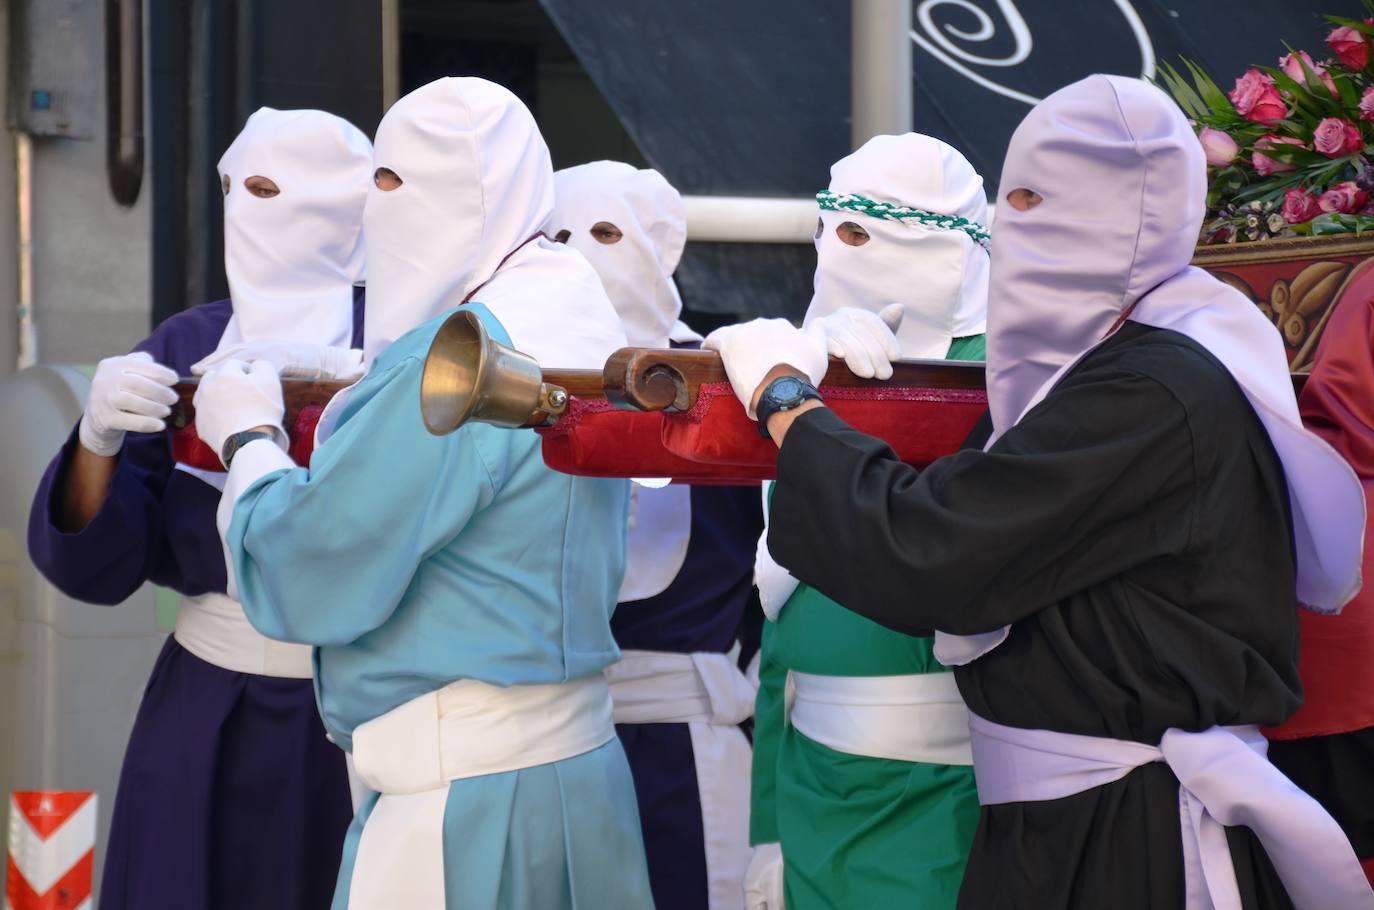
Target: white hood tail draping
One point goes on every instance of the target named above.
(940, 277)
(477, 188)
(636, 270)
(292, 260)
(1123, 182)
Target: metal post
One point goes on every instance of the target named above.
(391, 53)
(880, 85)
(23, 172)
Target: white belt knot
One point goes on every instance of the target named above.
(466, 729)
(1224, 779)
(471, 728)
(707, 693)
(662, 687)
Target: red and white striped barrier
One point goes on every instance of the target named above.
(52, 850)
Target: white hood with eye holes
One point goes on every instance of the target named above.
(477, 187)
(940, 277)
(637, 270)
(292, 260)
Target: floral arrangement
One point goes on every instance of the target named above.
(1289, 149)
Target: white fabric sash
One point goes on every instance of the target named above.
(707, 692)
(214, 628)
(663, 687)
(918, 717)
(1224, 780)
(466, 729)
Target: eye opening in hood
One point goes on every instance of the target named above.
(562, 236)
(262, 187)
(225, 183)
(607, 233)
(387, 180)
(1023, 199)
(851, 233)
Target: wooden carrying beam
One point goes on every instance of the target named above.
(646, 379)
(297, 395)
(671, 413)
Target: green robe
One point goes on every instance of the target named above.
(855, 831)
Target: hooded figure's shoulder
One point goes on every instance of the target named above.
(1180, 366)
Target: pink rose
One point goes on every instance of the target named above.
(1257, 100)
(1294, 71)
(1300, 206)
(1264, 165)
(1367, 105)
(1345, 198)
(1335, 137)
(1349, 47)
(1221, 149)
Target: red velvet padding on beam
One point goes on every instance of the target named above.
(596, 439)
(716, 443)
(920, 424)
(189, 449)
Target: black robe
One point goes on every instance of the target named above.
(1134, 529)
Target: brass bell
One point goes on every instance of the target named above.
(470, 377)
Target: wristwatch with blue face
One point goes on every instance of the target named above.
(238, 441)
(783, 394)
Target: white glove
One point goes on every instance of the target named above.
(763, 879)
(129, 394)
(865, 340)
(236, 396)
(296, 359)
(751, 349)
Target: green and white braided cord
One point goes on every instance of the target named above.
(903, 214)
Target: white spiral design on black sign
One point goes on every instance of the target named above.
(943, 43)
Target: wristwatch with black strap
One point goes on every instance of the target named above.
(783, 394)
(238, 441)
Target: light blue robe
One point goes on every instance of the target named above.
(411, 561)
